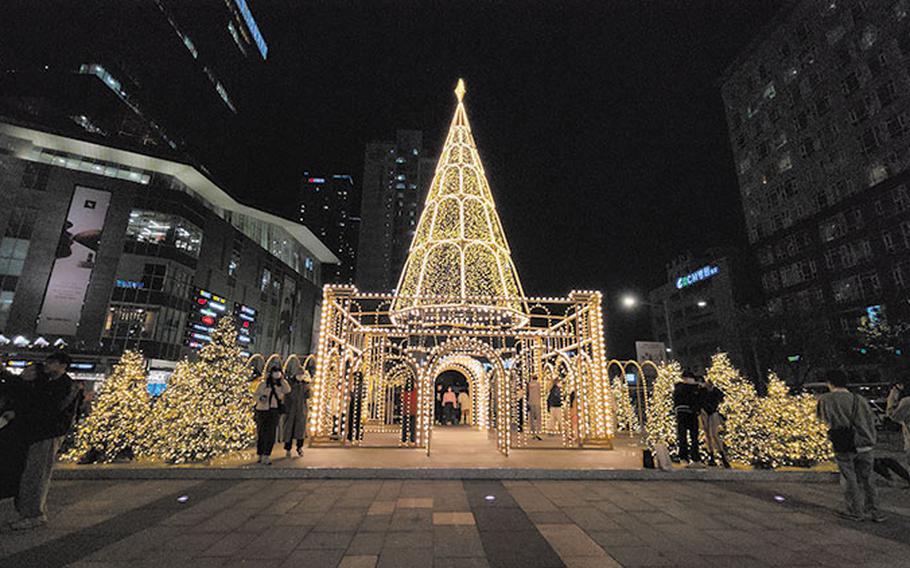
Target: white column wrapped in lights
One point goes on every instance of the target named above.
(460, 305)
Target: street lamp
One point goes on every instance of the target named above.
(629, 301)
(701, 303)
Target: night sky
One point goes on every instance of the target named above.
(600, 124)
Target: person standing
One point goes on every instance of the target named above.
(464, 403)
(408, 413)
(534, 406)
(554, 407)
(47, 413)
(438, 414)
(895, 395)
(269, 398)
(851, 429)
(711, 421)
(293, 425)
(449, 400)
(685, 405)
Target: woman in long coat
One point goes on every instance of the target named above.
(293, 425)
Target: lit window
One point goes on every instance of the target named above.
(12, 255)
(164, 229)
(784, 163)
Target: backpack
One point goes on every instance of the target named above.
(844, 439)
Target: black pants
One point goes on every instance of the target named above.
(266, 430)
(287, 444)
(882, 466)
(687, 435)
(408, 425)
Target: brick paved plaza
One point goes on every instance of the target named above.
(463, 524)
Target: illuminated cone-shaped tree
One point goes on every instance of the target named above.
(744, 433)
(626, 417)
(459, 269)
(794, 435)
(661, 426)
(118, 425)
(207, 409)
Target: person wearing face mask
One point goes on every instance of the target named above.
(269, 398)
(293, 424)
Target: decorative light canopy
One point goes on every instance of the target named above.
(459, 271)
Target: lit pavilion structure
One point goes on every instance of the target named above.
(459, 305)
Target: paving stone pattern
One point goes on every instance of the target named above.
(457, 524)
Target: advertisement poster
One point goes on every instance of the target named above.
(654, 351)
(286, 317)
(75, 260)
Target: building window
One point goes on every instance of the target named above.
(236, 254)
(265, 280)
(164, 229)
(35, 176)
(128, 322)
(12, 255)
(888, 241)
(784, 163)
(153, 276)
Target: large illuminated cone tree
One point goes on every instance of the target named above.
(459, 268)
(795, 436)
(207, 408)
(118, 424)
(661, 426)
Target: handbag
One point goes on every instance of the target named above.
(844, 439)
(281, 407)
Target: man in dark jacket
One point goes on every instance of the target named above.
(47, 413)
(686, 406)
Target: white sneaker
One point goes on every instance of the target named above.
(287, 453)
(299, 452)
(266, 460)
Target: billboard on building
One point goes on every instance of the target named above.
(74, 262)
(654, 351)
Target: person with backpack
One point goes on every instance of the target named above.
(269, 398)
(46, 410)
(851, 429)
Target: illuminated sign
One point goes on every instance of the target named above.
(245, 316)
(208, 308)
(251, 25)
(128, 284)
(702, 273)
(874, 314)
(316, 180)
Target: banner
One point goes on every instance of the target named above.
(654, 351)
(75, 260)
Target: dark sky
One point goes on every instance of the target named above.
(600, 124)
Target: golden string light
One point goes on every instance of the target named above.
(460, 305)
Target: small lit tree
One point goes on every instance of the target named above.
(118, 425)
(207, 408)
(661, 426)
(794, 435)
(626, 417)
(743, 429)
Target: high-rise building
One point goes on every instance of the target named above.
(694, 313)
(104, 249)
(172, 79)
(396, 176)
(326, 208)
(818, 108)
